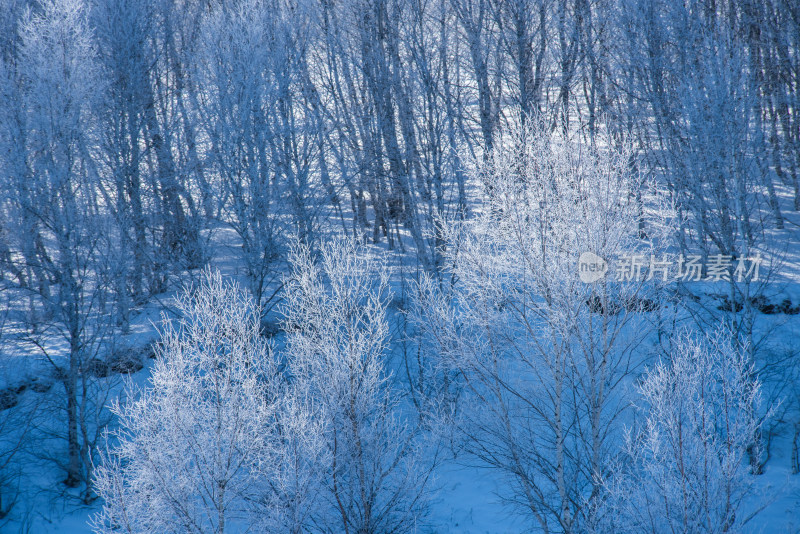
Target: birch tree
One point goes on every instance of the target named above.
(236, 61)
(685, 468)
(55, 197)
(532, 358)
(123, 31)
(197, 450)
(376, 478)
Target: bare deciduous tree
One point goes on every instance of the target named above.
(534, 356)
(686, 468)
(188, 454)
(376, 479)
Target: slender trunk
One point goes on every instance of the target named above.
(74, 453)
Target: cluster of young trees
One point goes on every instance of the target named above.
(685, 469)
(487, 142)
(230, 436)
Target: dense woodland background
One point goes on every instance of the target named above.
(144, 140)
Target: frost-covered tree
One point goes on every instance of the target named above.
(217, 441)
(263, 138)
(190, 444)
(531, 356)
(54, 235)
(702, 128)
(171, 137)
(686, 468)
(291, 484)
(123, 29)
(375, 480)
(236, 57)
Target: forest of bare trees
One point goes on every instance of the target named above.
(479, 146)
